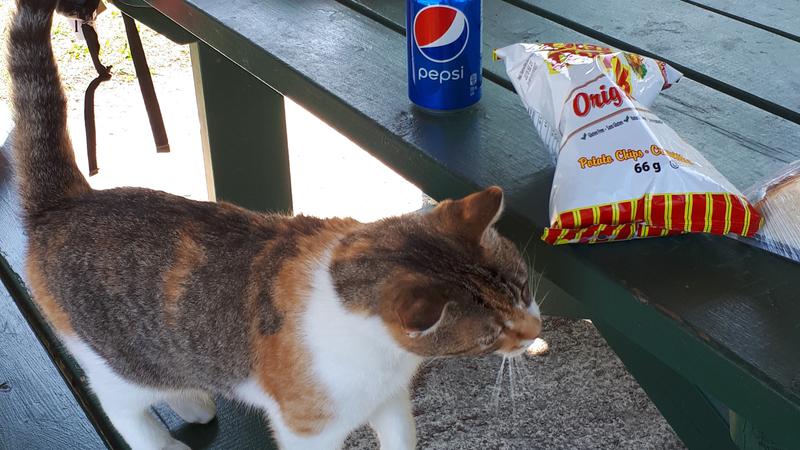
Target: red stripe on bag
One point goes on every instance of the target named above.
(678, 212)
(638, 215)
(718, 213)
(567, 220)
(737, 215)
(606, 214)
(658, 213)
(698, 213)
(625, 209)
(586, 217)
(755, 221)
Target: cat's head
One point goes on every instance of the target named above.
(443, 281)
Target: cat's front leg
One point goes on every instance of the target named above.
(394, 423)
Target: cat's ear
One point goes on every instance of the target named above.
(472, 215)
(420, 309)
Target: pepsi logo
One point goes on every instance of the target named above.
(440, 32)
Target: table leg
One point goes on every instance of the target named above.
(244, 134)
(748, 437)
(687, 409)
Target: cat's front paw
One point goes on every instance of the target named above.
(194, 409)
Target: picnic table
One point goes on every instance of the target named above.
(709, 326)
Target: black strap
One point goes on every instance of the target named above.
(146, 85)
(103, 74)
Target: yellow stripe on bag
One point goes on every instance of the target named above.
(576, 219)
(595, 214)
(668, 211)
(687, 224)
(647, 208)
(615, 233)
(709, 212)
(728, 213)
(746, 217)
(634, 204)
(615, 213)
(563, 233)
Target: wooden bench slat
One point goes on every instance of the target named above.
(713, 49)
(782, 17)
(37, 409)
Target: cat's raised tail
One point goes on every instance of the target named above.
(44, 160)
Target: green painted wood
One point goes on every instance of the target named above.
(779, 17)
(677, 298)
(725, 129)
(715, 50)
(244, 132)
(690, 413)
(748, 437)
(38, 410)
(155, 20)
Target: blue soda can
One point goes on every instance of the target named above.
(444, 53)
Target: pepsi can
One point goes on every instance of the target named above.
(444, 53)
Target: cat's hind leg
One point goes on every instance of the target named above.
(126, 404)
(193, 406)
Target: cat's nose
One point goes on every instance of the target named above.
(528, 328)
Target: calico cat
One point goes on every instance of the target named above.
(319, 323)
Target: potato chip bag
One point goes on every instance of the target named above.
(621, 172)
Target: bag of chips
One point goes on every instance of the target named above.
(621, 172)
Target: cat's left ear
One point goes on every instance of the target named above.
(472, 215)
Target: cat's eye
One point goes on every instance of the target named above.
(527, 296)
(490, 337)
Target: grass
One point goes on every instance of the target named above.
(75, 64)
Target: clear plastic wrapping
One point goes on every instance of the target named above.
(778, 200)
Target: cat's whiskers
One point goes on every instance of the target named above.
(544, 297)
(498, 384)
(524, 254)
(534, 288)
(512, 381)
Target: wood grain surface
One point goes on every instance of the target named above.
(736, 58)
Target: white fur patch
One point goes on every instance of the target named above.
(357, 363)
(126, 404)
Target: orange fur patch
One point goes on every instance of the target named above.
(44, 298)
(188, 255)
(524, 327)
(281, 363)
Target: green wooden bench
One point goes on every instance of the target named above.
(707, 325)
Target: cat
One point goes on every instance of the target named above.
(320, 323)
